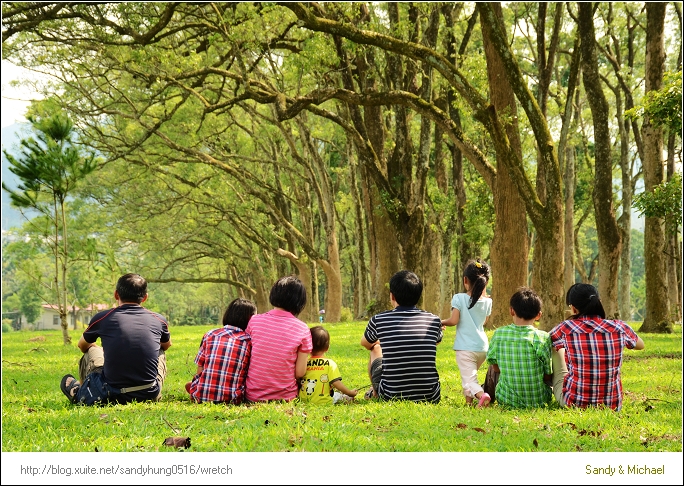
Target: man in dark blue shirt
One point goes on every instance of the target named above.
(131, 362)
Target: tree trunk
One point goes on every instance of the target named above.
(509, 248)
(609, 239)
(625, 220)
(657, 311)
(569, 272)
(360, 268)
(673, 258)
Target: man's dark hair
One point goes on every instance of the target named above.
(406, 288)
(526, 303)
(131, 288)
(320, 340)
(288, 293)
(238, 313)
(585, 298)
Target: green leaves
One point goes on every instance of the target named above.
(663, 107)
(664, 202)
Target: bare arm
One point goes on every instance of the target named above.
(339, 386)
(84, 345)
(639, 344)
(165, 345)
(453, 319)
(199, 369)
(300, 365)
(367, 345)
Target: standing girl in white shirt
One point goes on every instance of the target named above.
(469, 312)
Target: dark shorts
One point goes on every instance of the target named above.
(376, 372)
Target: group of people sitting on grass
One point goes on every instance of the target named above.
(274, 356)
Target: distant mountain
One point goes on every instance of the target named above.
(11, 137)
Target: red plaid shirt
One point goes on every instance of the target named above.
(593, 352)
(224, 356)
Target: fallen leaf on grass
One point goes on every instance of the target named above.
(572, 426)
(516, 419)
(326, 418)
(479, 429)
(383, 429)
(462, 426)
(536, 443)
(578, 448)
(593, 433)
(289, 412)
(30, 410)
(294, 440)
(177, 442)
(37, 338)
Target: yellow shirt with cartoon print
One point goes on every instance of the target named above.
(321, 372)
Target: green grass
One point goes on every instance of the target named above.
(37, 417)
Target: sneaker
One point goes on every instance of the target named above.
(484, 400)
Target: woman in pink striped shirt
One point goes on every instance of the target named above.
(281, 344)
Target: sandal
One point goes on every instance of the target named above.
(67, 388)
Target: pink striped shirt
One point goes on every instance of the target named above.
(277, 337)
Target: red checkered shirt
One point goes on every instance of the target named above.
(593, 353)
(224, 356)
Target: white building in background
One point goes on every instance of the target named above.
(76, 317)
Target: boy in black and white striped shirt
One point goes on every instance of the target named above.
(403, 367)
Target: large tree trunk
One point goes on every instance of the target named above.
(657, 310)
(387, 256)
(609, 239)
(548, 217)
(509, 248)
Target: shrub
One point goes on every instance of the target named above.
(6, 325)
(346, 315)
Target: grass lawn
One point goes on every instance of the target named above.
(37, 417)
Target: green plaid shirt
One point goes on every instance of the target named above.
(523, 354)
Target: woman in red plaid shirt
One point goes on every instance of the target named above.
(223, 358)
(589, 349)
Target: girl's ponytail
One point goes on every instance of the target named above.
(477, 273)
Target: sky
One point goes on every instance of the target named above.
(14, 100)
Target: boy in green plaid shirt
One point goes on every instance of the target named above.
(522, 354)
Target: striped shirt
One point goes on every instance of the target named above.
(277, 338)
(523, 354)
(409, 338)
(224, 356)
(593, 353)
